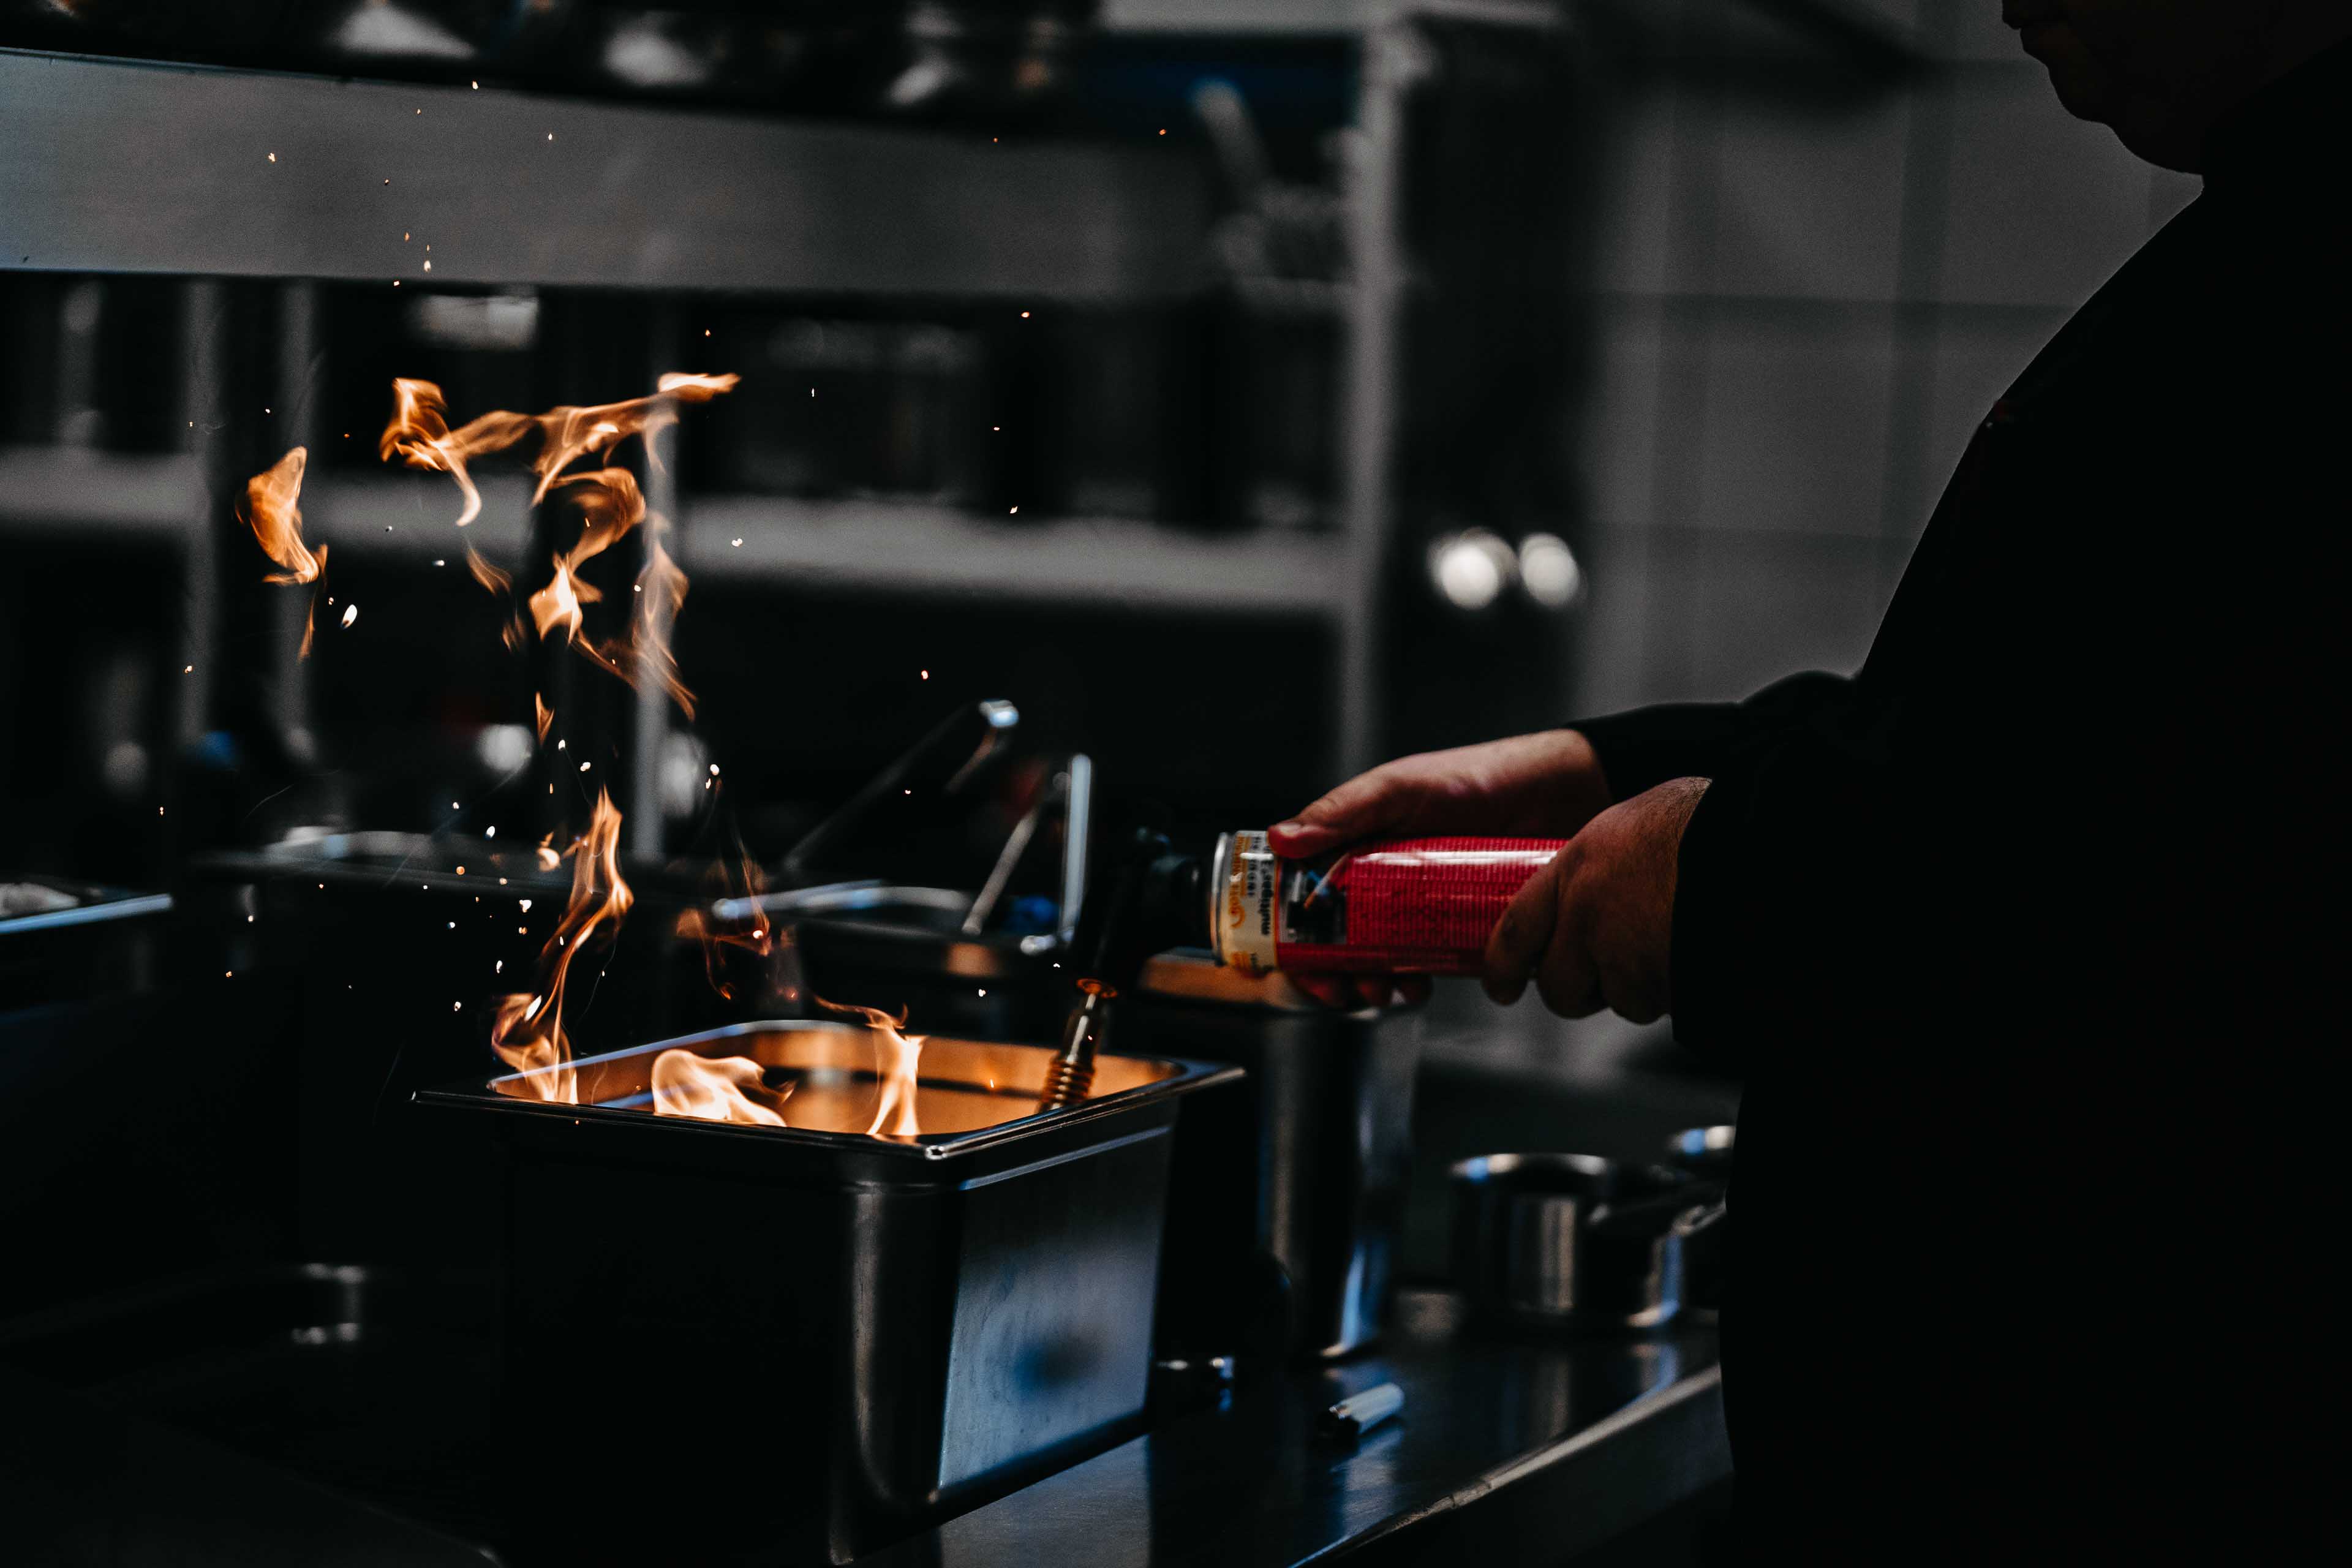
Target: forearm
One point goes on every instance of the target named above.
(1648, 746)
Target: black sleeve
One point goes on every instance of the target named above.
(2089, 786)
(1643, 747)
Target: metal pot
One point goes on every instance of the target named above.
(1290, 1189)
(1574, 1240)
(1704, 1152)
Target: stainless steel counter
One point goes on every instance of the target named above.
(1502, 1441)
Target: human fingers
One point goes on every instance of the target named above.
(1364, 805)
(1332, 990)
(1520, 937)
(1565, 976)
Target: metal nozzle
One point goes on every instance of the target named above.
(1072, 1073)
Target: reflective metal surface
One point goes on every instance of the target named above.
(1705, 1152)
(1507, 1449)
(1573, 1240)
(911, 1326)
(1289, 1191)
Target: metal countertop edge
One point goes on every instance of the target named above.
(1693, 1402)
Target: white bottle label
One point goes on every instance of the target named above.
(1245, 911)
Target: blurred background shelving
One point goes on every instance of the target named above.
(1366, 374)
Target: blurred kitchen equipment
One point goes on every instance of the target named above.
(1283, 251)
(971, 964)
(1153, 890)
(1291, 1186)
(1574, 1240)
(1704, 1152)
(931, 1320)
(955, 753)
(68, 941)
(986, 55)
(1357, 1413)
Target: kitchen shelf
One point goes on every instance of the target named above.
(904, 547)
(410, 513)
(82, 491)
(118, 167)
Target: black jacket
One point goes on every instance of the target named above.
(2028, 938)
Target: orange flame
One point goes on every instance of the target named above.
(419, 434)
(528, 1030)
(727, 1090)
(610, 501)
(754, 936)
(270, 509)
(897, 1063)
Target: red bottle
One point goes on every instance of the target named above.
(1397, 906)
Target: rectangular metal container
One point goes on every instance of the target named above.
(796, 1345)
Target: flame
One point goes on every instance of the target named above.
(542, 713)
(727, 1090)
(897, 1062)
(528, 1030)
(755, 936)
(610, 501)
(419, 434)
(269, 509)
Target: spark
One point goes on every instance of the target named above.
(984, 991)
(525, 906)
(437, 562)
(561, 744)
(714, 770)
(1014, 513)
(926, 675)
(585, 766)
(350, 614)
(500, 967)
(491, 832)
(1024, 315)
(188, 669)
(273, 157)
(457, 1007)
(737, 541)
(428, 264)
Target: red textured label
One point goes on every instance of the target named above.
(1409, 906)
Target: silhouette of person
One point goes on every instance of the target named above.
(2023, 938)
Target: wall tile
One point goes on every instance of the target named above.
(1793, 420)
(1633, 214)
(1616, 445)
(1807, 197)
(1972, 30)
(1612, 625)
(1766, 606)
(2042, 207)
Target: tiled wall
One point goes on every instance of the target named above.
(1804, 302)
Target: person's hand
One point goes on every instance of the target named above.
(1594, 929)
(1542, 785)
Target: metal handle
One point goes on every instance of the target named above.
(977, 733)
